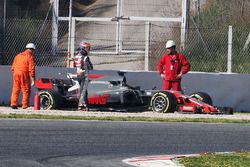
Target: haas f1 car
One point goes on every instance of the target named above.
(111, 92)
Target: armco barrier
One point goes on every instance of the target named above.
(225, 89)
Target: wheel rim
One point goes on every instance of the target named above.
(45, 102)
(160, 103)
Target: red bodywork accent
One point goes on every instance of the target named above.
(44, 84)
(98, 99)
(188, 104)
(95, 76)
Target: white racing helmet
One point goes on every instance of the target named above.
(170, 44)
(30, 46)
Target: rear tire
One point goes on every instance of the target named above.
(163, 102)
(50, 100)
(202, 96)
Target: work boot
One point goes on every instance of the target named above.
(14, 107)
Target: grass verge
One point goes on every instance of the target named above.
(117, 118)
(238, 159)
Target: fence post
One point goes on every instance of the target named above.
(2, 51)
(70, 48)
(147, 40)
(118, 27)
(72, 41)
(55, 13)
(184, 23)
(229, 53)
(247, 42)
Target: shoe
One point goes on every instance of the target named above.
(25, 107)
(14, 107)
(83, 108)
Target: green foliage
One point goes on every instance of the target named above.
(207, 45)
(241, 159)
(220, 13)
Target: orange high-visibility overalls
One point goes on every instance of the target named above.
(23, 68)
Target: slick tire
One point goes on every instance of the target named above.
(50, 100)
(163, 102)
(202, 96)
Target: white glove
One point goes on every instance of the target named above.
(163, 76)
(32, 81)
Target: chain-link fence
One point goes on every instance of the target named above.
(205, 48)
(107, 50)
(18, 32)
(117, 42)
(241, 50)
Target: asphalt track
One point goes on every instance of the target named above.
(40, 143)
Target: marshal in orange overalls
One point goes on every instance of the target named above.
(23, 69)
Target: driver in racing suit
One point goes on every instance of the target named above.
(83, 65)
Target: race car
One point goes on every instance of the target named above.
(111, 92)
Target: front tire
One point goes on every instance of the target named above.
(226, 110)
(163, 102)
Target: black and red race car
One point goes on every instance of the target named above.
(111, 92)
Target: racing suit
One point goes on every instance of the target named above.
(23, 69)
(83, 65)
(171, 66)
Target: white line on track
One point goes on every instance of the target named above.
(157, 160)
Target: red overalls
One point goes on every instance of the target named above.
(171, 66)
